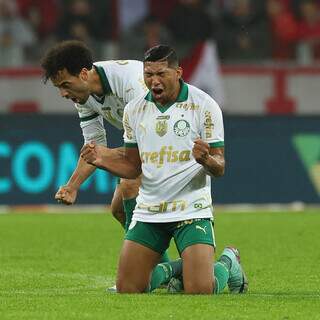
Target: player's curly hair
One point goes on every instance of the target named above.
(162, 53)
(72, 55)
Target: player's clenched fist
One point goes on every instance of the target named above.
(200, 151)
(66, 195)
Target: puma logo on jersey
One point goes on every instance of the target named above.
(165, 155)
(202, 229)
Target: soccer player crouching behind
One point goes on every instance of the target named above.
(100, 91)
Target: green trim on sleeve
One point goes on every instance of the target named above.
(83, 119)
(217, 144)
(130, 145)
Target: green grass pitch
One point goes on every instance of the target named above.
(57, 266)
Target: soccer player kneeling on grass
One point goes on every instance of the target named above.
(174, 138)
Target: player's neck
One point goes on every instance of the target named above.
(95, 83)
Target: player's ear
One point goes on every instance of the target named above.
(84, 74)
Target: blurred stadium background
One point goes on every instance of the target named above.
(259, 59)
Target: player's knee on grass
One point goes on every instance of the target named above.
(129, 287)
(198, 285)
(129, 278)
(135, 267)
(197, 269)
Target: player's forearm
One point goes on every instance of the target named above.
(121, 169)
(215, 165)
(82, 172)
(115, 161)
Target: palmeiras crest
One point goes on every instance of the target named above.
(161, 127)
(181, 128)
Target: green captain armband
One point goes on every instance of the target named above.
(217, 144)
(130, 145)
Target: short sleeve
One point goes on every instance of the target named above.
(212, 130)
(92, 126)
(129, 134)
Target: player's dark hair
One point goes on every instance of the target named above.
(72, 55)
(162, 53)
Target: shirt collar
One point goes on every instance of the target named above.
(182, 96)
(104, 80)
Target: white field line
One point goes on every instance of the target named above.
(93, 282)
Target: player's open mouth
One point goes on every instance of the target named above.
(75, 100)
(157, 91)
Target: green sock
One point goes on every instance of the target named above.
(221, 275)
(163, 272)
(226, 261)
(165, 257)
(129, 205)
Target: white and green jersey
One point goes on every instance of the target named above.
(122, 80)
(174, 186)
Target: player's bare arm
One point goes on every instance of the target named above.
(67, 194)
(122, 162)
(212, 159)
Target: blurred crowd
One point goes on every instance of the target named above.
(245, 31)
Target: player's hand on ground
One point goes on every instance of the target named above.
(92, 153)
(66, 195)
(200, 151)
